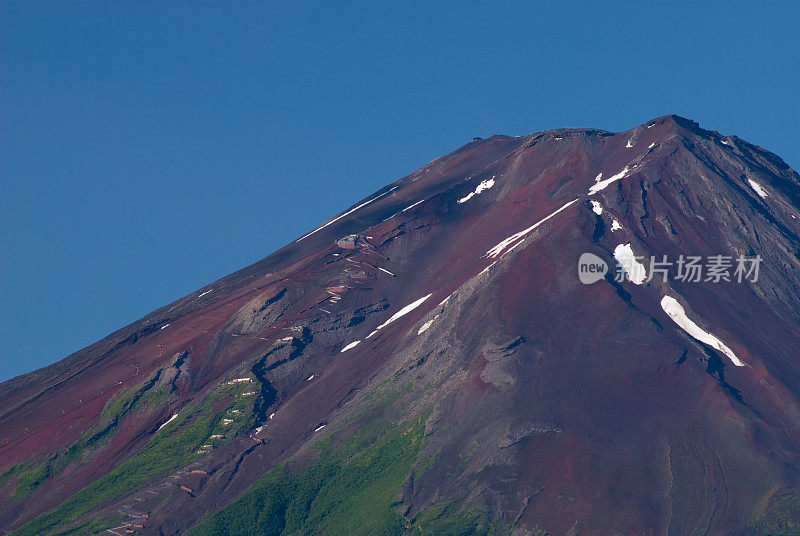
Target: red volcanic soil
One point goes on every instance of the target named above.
(579, 409)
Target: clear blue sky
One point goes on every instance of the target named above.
(148, 148)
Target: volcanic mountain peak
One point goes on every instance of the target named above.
(440, 340)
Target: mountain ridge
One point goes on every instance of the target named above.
(307, 322)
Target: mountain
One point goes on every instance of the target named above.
(436, 360)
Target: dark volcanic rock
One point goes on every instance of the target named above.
(580, 409)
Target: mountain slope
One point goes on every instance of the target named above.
(433, 344)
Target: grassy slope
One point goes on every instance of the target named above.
(170, 448)
(781, 519)
(349, 491)
(125, 403)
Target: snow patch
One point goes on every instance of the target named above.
(412, 206)
(446, 299)
(165, 326)
(675, 311)
(495, 262)
(427, 325)
(597, 208)
(603, 184)
(629, 144)
(387, 271)
(757, 187)
(484, 185)
(615, 226)
(310, 378)
(517, 238)
(625, 257)
(204, 293)
(402, 312)
(168, 421)
(365, 203)
(349, 346)
(318, 428)
(652, 145)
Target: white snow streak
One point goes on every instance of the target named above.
(426, 325)
(652, 145)
(674, 309)
(402, 312)
(758, 188)
(597, 208)
(495, 262)
(447, 298)
(484, 185)
(318, 428)
(602, 184)
(412, 206)
(365, 203)
(384, 270)
(625, 257)
(165, 326)
(168, 421)
(349, 346)
(515, 239)
(204, 293)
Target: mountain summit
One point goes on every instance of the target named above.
(575, 331)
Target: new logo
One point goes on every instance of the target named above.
(591, 268)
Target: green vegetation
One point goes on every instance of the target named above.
(124, 403)
(134, 399)
(172, 447)
(781, 519)
(423, 466)
(449, 520)
(13, 471)
(94, 526)
(31, 478)
(382, 396)
(349, 491)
